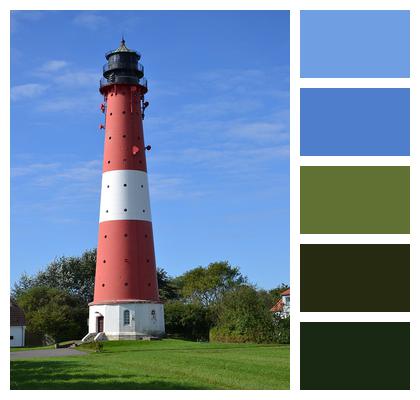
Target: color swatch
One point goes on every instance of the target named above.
(355, 122)
(355, 355)
(355, 278)
(355, 199)
(357, 43)
(347, 121)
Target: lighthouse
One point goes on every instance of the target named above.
(126, 299)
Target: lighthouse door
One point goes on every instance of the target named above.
(100, 323)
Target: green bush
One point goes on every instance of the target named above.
(54, 313)
(282, 330)
(98, 346)
(225, 334)
(243, 316)
(190, 321)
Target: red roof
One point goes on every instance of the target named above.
(278, 306)
(17, 316)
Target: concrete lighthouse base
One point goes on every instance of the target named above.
(126, 320)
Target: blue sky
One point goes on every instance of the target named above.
(218, 124)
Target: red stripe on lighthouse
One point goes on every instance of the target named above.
(123, 129)
(125, 268)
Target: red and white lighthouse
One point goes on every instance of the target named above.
(126, 300)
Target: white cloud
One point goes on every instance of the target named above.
(71, 182)
(80, 78)
(45, 174)
(57, 104)
(20, 18)
(168, 187)
(26, 91)
(33, 168)
(260, 131)
(89, 20)
(53, 65)
(71, 102)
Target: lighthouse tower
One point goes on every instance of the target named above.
(126, 300)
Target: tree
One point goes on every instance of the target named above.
(74, 275)
(276, 292)
(167, 286)
(243, 316)
(190, 321)
(207, 285)
(53, 312)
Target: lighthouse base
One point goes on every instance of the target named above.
(126, 320)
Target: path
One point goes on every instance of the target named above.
(45, 353)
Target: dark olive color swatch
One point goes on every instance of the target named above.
(355, 277)
(355, 355)
(356, 199)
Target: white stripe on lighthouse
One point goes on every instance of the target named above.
(125, 195)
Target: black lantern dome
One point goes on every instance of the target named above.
(123, 66)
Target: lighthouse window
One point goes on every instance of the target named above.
(124, 136)
(125, 209)
(125, 235)
(109, 138)
(125, 184)
(123, 112)
(144, 211)
(109, 161)
(110, 113)
(126, 317)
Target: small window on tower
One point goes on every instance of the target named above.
(126, 317)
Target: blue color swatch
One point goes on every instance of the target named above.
(351, 44)
(355, 122)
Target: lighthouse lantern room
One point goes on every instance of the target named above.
(126, 301)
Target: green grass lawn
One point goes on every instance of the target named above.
(165, 364)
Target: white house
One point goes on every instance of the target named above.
(282, 307)
(17, 325)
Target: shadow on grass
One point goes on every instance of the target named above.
(56, 375)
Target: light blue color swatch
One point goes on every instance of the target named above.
(355, 44)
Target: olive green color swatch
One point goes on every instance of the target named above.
(355, 277)
(355, 355)
(355, 199)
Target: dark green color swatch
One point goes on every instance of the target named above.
(355, 355)
(354, 277)
(355, 199)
